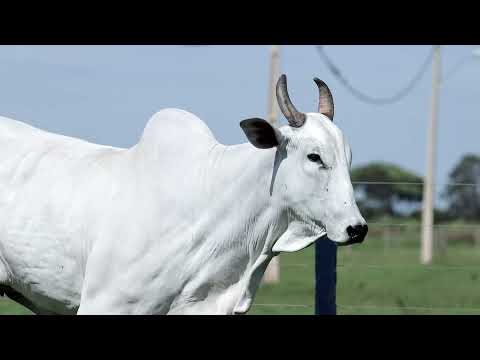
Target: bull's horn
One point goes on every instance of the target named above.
(325, 104)
(295, 118)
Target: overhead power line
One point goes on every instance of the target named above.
(370, 99)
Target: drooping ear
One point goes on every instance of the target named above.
(260, 133)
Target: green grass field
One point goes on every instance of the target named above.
(378, 278)
(372, 279)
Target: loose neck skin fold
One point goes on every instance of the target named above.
(243, 221)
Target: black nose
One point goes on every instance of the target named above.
(357, 233)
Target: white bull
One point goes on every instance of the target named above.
(177, 224)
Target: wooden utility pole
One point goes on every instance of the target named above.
(274, 75)
(429, 182)
(272, 273)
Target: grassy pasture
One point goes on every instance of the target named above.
(383, 277)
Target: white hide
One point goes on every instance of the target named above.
(177, 224)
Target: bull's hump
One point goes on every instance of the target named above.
(180, 121)
(174, 128)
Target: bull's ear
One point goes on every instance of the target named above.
(260, 133)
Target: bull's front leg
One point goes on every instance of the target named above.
(101, 290)
(102, 304)
(102, 301)
(251, 284)
(113, 286)
(112, 301)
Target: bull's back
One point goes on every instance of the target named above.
(46, 191)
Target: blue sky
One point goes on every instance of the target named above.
(106, 94)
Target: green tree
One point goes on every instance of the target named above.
(464, 200)
(381, 186)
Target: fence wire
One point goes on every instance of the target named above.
(410, 183)
(421, 308)
(383, 267)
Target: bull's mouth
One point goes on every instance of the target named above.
(349, 242)
(346, 243)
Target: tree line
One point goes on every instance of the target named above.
(387, 189)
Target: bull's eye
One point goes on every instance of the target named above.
(315, 158)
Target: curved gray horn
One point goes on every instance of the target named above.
(295, 118)
(325, 105)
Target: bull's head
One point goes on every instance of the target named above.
(311, 176)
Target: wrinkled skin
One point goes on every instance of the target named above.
(177, 224)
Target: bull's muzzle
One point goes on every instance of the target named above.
(357, 233)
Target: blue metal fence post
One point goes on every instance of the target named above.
(325, 277)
